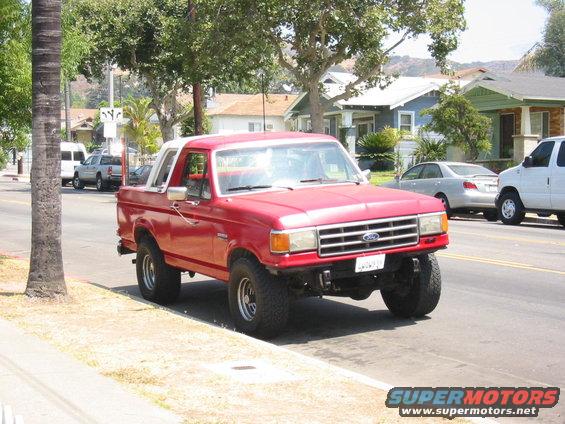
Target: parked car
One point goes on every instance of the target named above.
(139, 175)
(103, 171)
(462, 187)
(536, 185)
(72, 155)
(279, 216)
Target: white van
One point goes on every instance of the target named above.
(536, 185)
(72, 154)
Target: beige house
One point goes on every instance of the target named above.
(82, 128)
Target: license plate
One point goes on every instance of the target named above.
(370, 263)
(492, 188)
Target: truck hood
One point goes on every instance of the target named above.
(321, 205)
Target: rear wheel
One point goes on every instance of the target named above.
(561, 218)
(491, 215)
(158, 282)
(100, 184)
(259, 302)
(511, 209)
(77, 183)
(445, 202)
(421, 296)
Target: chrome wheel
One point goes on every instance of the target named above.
(508, 209)
(148, 270)
(246, 299)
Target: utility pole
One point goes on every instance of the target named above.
(196, 87)
(109, 141)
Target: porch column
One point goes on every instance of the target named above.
(347, 124)
(524, 142)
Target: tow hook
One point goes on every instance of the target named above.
(415, 266)
(325, 279)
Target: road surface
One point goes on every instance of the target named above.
(500, 322)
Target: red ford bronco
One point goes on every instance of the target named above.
(279, 216)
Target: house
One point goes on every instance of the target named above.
(524, 108)
(398, 105)
(467, 74)
(82, 128)
(234, 113)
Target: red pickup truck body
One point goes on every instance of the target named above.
(207, 235)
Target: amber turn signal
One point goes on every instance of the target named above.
(280, 243)
(444, 223)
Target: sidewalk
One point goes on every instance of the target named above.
(44, 385)
(11, 172)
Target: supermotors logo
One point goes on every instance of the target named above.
(451, 402)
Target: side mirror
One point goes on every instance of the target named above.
(528, 162)
(177, 193)
(367, 173)
(82, 162)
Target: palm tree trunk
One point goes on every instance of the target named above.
(46, 277)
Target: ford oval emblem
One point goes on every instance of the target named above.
(370, 236)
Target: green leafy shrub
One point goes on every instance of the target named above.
(379, 146)
(429, 150)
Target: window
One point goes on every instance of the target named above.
(166, 165)
(364, 128)
(470, 170)
(194, 176)
(65, 155)
(87, 161)
(413, 173)
(255, 127)
(539, 122)
(432, 171)
(95, 160)
(542, 154)
(561, 156)
(78, 156)
(406, 121)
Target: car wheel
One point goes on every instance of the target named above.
(445, 202)
(259, 302)
(511, 209)
(491, 215)
(100, 185)
(158, 282)
(561, 218)
(421, 296)
(64, 182)
(77, 183)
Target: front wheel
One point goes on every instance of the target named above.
(158, 282)
(511, 209)
(77, 183)
(259, 302)
(561, 218)
(421, 296)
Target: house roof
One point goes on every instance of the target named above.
(249, 104)
(467, 73)
(80, 118)
(523, 86)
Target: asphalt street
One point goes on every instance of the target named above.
(500, 321)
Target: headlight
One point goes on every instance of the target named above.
(433, 224)
(293, 241)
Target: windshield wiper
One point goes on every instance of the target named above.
(253, 187)
(328, 180)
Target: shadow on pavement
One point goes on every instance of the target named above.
(310, 319)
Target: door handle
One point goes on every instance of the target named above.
(175, 206)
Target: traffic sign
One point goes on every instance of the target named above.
(111, 114)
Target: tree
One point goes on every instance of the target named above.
(46, 276)
(312, 36)
(429, 150)
(461, 124)
(139, 128)
(188, 127)
(550, 56)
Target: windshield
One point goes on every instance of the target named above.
(470, 170)
(285, 166)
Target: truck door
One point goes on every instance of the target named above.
(191, 224)
(90, 169)
(535, 180)
(558, 180)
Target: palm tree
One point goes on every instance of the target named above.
(46, 276)
(139, 127)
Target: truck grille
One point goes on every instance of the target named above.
(339, 239)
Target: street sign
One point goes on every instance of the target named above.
(111, 114)
(110, 129)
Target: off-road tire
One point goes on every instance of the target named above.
(100, 184)
(445, 202)
(271, 298)
(561, 218)
(422, 296)
(166, 284)
(77, 183)
(519, 213)
(491, 215)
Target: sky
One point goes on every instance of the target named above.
(496, 30)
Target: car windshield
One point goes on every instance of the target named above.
(284, 166)
(470, 170)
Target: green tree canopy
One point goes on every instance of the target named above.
(139, 128)
(551, 54)
(459, 122)
(312, 36)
